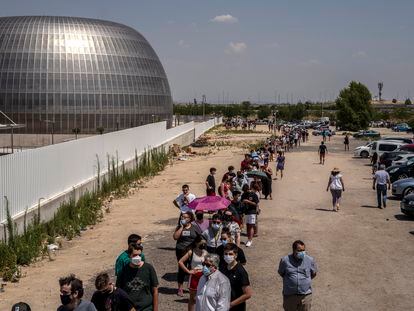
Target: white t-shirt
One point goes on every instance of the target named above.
(336, 182)
(183, 206)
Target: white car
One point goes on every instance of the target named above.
(363, 151)
(402, 159)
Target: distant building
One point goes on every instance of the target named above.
(78, 73)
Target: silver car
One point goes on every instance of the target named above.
(403, 187)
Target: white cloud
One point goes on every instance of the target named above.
(236, 48)
(183, 44)
(226, 18)
(359, 54)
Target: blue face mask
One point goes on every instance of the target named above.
(224, 242)
(206, 271)
(300, 255)
(183, 222)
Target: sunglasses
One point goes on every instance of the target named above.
(206, 264)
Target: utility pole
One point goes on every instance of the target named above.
(203, 102)
(380, 86)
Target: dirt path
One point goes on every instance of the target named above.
(365, 255)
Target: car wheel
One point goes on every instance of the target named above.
(402, 176)
(408, 191)
(364, 154)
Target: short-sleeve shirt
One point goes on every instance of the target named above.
(83, 306)
(212, 182)
(238, 278)
(381, 177)
(241, 257)
(322, 148)
(187, 237)
(212, 237)
(117, 300)
(183, 206)
(297, 274)
(138, 283)
(251, 196)
(124, 260)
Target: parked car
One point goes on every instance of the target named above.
(319, 132)
(407, 205)
(405, 140)
(387, 157)
(401, 171)
(402, 159)
(403, 187)
(363, 151)
(369, 133)
(407, 147)
(382, 146)
(402, 127)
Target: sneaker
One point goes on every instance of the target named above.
(248, 243)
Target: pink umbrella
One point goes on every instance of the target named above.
(209, 203)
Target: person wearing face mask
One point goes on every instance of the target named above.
(123, 259)
(139, 280)
(107, 297)
(226, 239)
(232, 226)
(238, 277)
(212, 234)
(71, 293)
(297, 270)
(185, 235)
(202, 223)
(196, 257)
(213, 290)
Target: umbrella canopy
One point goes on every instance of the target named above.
(209, 203)
(257, 174)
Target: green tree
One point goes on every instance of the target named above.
(354, 107)
(246, 109)
(263, 112)
(408, 102)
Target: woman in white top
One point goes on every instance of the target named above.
(196, 257)
(336, 185)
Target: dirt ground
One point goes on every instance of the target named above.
(365, 255)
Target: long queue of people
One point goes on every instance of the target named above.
(208, 249)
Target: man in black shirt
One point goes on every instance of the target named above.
(250, 201)
(238, 277)
(211, 183)
(139, 280)
(322, 151)
(109, 298)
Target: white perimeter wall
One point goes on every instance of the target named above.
(50, 171)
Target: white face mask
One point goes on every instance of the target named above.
(228, 258)
(136, 260)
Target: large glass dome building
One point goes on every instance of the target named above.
(78, 73)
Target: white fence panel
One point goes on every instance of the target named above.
(47, 172)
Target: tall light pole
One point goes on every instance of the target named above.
(380, 86)
(203, 102)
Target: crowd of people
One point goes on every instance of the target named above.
(208, 247)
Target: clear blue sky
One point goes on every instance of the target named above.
(245, 49)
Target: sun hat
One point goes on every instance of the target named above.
(335, 169)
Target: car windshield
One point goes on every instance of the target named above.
(410, 162)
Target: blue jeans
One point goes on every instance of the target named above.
(382, 195)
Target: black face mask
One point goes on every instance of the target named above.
(199, 216)
(202, 246)
(228, 218)
(65, 299)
